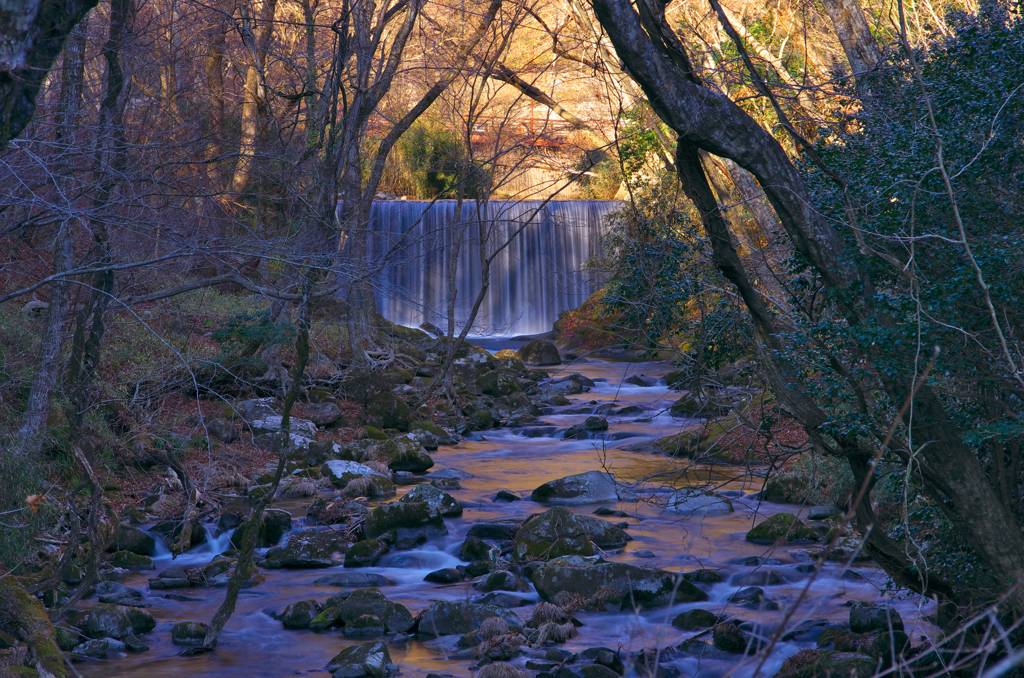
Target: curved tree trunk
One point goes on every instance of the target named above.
(707, 120)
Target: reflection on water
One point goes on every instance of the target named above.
(254, 645)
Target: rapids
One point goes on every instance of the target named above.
(255, 645)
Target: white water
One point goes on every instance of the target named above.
(540, 274)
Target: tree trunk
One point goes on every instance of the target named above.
(706, 119)
(854, 34)
(216, 42)
(247, 143)
(35, 420)
(32, 33)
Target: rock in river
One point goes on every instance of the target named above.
(405, 519)
(369, 659)
(647, 588)
(582, 488)
(445, 618)
(445, 503)
(556, 532)
(310, 548)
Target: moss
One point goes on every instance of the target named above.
(781, 526)
(374, 433)
(17, 604)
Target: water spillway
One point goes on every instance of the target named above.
(540, 273)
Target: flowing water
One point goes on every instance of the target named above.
(254, 644)
(538, 275)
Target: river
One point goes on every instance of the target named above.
(254, 644)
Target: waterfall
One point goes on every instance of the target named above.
(537, 276)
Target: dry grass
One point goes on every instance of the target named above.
(493, 626)
(297, 486)
(360, 487)
(570, 602)
(501, 670)
(546, 612)
(556, 633)
(380, 466)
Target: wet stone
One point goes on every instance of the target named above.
(448, 575)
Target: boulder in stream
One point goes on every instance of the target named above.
(189, 634)
(445, 503)
(621, 584)
(691, 620)
(117, 621)
(369, 659)
(408, 520)
(539, 352)
(781, 527)
(366, 553)
(581, 488)
(691, 502)
(406, 454)
(340, 473)
(273, 526)
(556, 532)
(310, 548)
(354, 605)
(603, 534)
(134, 540)
(114, 593)
(869, 617)
(825, 663)
(354, 580)
(445, 618)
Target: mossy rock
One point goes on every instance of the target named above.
(403, 518)
(374, 433)
(554, 533)
(366, 553)
(498, 383)
(438, 499)
(389, 411)
(331, 616)
(691, 620)
(406, 454)
(827, 664)
(131, 561)
(539, 352)
(299, 615)
(781, 526)
(189, 634)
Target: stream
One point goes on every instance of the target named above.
(254, 644)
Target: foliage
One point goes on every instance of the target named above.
(663, 283)
(247, 332)
(887, 153)
(436, 157)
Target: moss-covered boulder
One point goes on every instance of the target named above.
(556, 532)
(630, 585)
(299, 615)
(784, 527)
(386, 410)
(691, 620)
(827, 664)
(497, 383)
(539, 352)
(870, 617)
(274, 525)
(406, 454)
(370, 660)
(127, 560)
(366, 553)
(404, 519)
(693, 502)
(330, 616)
(308, 549)
(603, 534)
(133, 540)
(435, 498)
(117, 621)
(189, 634)
(474, 548)
(353, 605)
